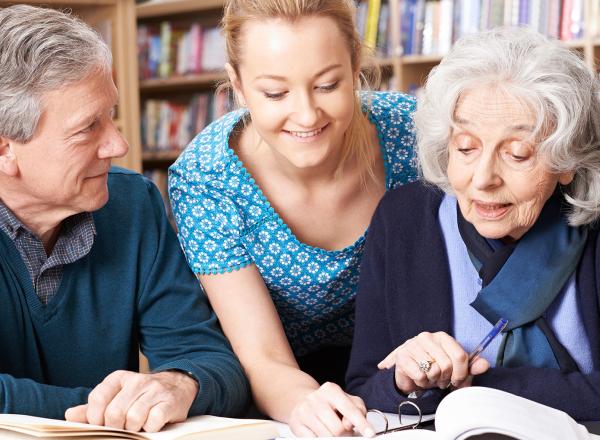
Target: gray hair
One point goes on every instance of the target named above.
(41, 50)
(551, 79)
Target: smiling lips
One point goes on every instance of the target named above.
(306, 135)
(491, 211)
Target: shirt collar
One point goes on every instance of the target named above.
(81, 224)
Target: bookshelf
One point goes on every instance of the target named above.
(115, 20)
(402, 71)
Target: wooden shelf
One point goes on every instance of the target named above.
(182, 82)
(157, 8)
(384, 62)
(421, 59)
(575, 44)
(161, 156)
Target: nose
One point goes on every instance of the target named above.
(486, 174)
(114, 144)
(307, 113)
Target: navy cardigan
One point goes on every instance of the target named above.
(133, 289)
(405, 289)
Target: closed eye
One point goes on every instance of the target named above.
(274, 96)
(90, 127)
(329, 87)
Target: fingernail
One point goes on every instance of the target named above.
(369, 432)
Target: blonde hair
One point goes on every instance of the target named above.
(239, 12)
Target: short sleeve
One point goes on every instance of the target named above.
(392, 113)
(208, 221)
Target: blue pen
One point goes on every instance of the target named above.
(500, 325)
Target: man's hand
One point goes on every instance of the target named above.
(132, 401)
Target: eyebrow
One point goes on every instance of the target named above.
(283, 78)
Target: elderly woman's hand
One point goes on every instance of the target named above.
(432, 360)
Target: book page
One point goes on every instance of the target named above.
(217, 427)
(476, 410)
(194, 427)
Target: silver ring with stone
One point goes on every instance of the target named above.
(425, 365)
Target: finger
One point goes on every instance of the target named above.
(404, 383)
(158, 416)
(132, 391)
(347, 424)
(325, 406)
(359, 403)
(137, 414)
(76, 414)
(315, 423)
(479, 366)
(410, 364)
(102, 395)
(441, 369)
(406, 371)
(465, 383)
(353, 408)
(302, 431)
(388, 361)
(459, 357)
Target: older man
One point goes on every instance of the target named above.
(90, 269)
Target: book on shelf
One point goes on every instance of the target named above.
(159, 176)
(373, 26)
(179, 48)
(198, 428)
(430, 27)
(476, 411)
(169, 125)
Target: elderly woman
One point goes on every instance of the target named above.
(508, 132)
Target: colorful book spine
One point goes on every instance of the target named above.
(373, 11)
(178, 49)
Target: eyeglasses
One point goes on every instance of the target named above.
(403, 427)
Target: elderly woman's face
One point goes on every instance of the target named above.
(500, 183)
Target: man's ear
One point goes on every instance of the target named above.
(236, 84)
(8, 160)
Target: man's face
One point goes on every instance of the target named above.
(65, 166)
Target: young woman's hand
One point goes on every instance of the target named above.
(329, 412)
(432, 360)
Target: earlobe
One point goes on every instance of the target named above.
(236, 84)
(566, 178)
(8, 160)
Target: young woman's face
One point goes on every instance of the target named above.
(297, 81)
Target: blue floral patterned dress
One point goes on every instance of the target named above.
(225, 223)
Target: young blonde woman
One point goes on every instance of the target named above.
(273, 200)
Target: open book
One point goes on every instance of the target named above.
(475, 411)
(478, 410)
(19, 427)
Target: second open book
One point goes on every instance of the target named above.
(477, 410)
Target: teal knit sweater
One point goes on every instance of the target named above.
(133, 289)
